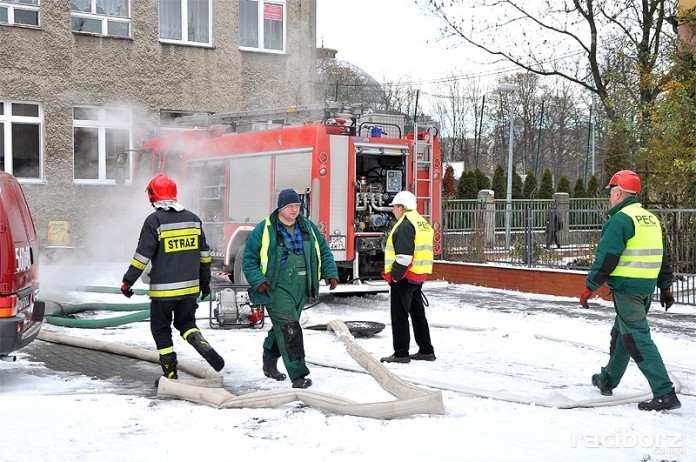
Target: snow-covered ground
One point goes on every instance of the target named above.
(484, 339)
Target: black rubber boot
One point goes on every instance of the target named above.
(661, 403)
(204, 349)
(602, 389)
(168, 363)
(270, 369)
(301, 382)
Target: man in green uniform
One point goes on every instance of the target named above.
(285, 257)
(630, 258)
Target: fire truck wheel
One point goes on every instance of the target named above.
(237, 273)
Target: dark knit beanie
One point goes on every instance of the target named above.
(287, 197)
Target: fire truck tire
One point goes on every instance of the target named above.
(237, 273)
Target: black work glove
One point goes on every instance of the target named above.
(205, 291)
(331, 282)
(587, 293)
(666, 298)
(263, 287)
(126, 290)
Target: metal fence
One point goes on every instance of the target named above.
(475, 231)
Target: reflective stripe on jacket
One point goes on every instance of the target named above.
(422, 263)
(175, 243)
(642, 258)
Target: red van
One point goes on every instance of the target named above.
(21, 314)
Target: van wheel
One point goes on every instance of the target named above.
(237, 274)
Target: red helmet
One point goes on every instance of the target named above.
(627, 180)
(161, 188)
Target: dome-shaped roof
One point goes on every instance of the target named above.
(354, 84)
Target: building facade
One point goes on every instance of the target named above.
(83, 80)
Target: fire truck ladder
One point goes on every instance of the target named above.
(423, 161)
(305, 113)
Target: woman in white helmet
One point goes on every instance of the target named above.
(408, 259)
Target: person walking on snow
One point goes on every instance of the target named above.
(408, 259)
(630, 258)
(284, 259)
(172, 240)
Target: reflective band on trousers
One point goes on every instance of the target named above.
(266, 242)
(422, 252)
(642, 258)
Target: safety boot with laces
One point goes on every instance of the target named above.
(666, 402)
(204, 349)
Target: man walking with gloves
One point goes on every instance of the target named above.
(285, 257)
(630, 258)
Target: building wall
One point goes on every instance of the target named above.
(563, 283)
(59, 68)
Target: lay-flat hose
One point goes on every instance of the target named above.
(62, 314)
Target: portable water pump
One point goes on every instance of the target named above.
(231, 308)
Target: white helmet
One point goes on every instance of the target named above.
(405, 198)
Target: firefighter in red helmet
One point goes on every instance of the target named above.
(173, 243)
(630, 258)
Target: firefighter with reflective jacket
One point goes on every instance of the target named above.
(285, 257)
(173, 242)
(630, 258)
(408, 259)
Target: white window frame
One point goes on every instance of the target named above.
(11, 7)
(7, 119)
(104, 18)
(184, 28)
(260, 27)
(102, 125)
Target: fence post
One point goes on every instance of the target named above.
(562, 202)
(486, 198)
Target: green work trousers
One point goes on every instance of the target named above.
(630, 338)
(288, 299)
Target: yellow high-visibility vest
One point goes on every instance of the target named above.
(266, 242)
(642, 258)
(422, 253)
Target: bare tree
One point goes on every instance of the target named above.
(453, 108)
(613, 49)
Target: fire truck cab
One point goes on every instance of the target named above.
(346, 165)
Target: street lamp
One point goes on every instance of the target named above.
(510, 89)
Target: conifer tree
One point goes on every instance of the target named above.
(449, 190)
(563, 185)
(499, 184)
(546, 187)
(530, 184)
(467, 186)
(482, 181)
(579, 189)
(592, 187)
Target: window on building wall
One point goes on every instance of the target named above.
(187, 22)
(21, 128)
(262, 25)
(100, 134)
(101, 17)
(24, 12)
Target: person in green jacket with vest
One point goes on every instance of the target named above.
(630, 258)
(285, 257)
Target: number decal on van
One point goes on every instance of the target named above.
(23, 256)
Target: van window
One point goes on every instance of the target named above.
(11, 203)
(24, 211)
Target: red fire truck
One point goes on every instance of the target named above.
(345, 163)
